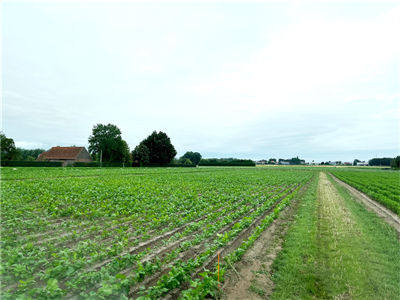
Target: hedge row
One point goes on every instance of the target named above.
(227, 164)
(23, 163)
(120, 165)
(170, 166)
(98, 164)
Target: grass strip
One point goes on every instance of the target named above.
(337, 249)
(294, 269)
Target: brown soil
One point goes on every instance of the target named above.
(256, 265)
(390, 217)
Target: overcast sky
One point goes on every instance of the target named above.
(247, 80)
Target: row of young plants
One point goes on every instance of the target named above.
(208, 228)
(380, 186)
(121, 236)
(183, 272)
(118, 243)
(21, 173)
(208, 285)
(182, 197)
(66, 269)
(160, 208)
(31, 206)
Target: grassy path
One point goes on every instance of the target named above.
(337, 250)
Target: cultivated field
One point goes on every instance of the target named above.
(130, 233)
(149, 233)
(380, 186)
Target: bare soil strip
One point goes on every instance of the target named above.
(256, 265)
(390, 217)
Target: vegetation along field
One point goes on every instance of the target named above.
(150, 233)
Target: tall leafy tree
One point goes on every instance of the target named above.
(194, 157)
(159, 146)
(295, 161)
(142, 154)
(107, 141)
(395, 162)
(384, 161)
(8, 149)
(356, 161)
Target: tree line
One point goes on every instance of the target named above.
(106, 145)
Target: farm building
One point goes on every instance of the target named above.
(362, 164)
(66, 155)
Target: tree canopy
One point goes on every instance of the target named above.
(107, 140)
(141, 153)
(26, 153)
(159, 146)
(384, 161)
(8, 149)
(194, 157)
(395, 162)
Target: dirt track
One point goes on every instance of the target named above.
(256, 265)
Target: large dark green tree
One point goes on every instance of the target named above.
(141, 154)
(194, 157)
(107, 141)
(384, 161)
(395, 162)
(160, 149)
(295, 161)
(8, 149)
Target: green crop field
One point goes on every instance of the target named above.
(383, 187)
(73, 233)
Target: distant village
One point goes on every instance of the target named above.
(297, 161)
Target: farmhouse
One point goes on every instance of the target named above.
(66, 155)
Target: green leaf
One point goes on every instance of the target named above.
(120, 276)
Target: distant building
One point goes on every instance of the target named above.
(284, 163)
(362, 164)
(66, 155)
(348, 164)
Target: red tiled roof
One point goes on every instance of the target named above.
(41, 156)
(63, 152)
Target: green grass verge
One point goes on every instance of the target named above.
(364, 264)
(294, 268)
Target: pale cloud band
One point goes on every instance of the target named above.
(251, 80)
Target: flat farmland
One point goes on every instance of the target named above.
(132, 233)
